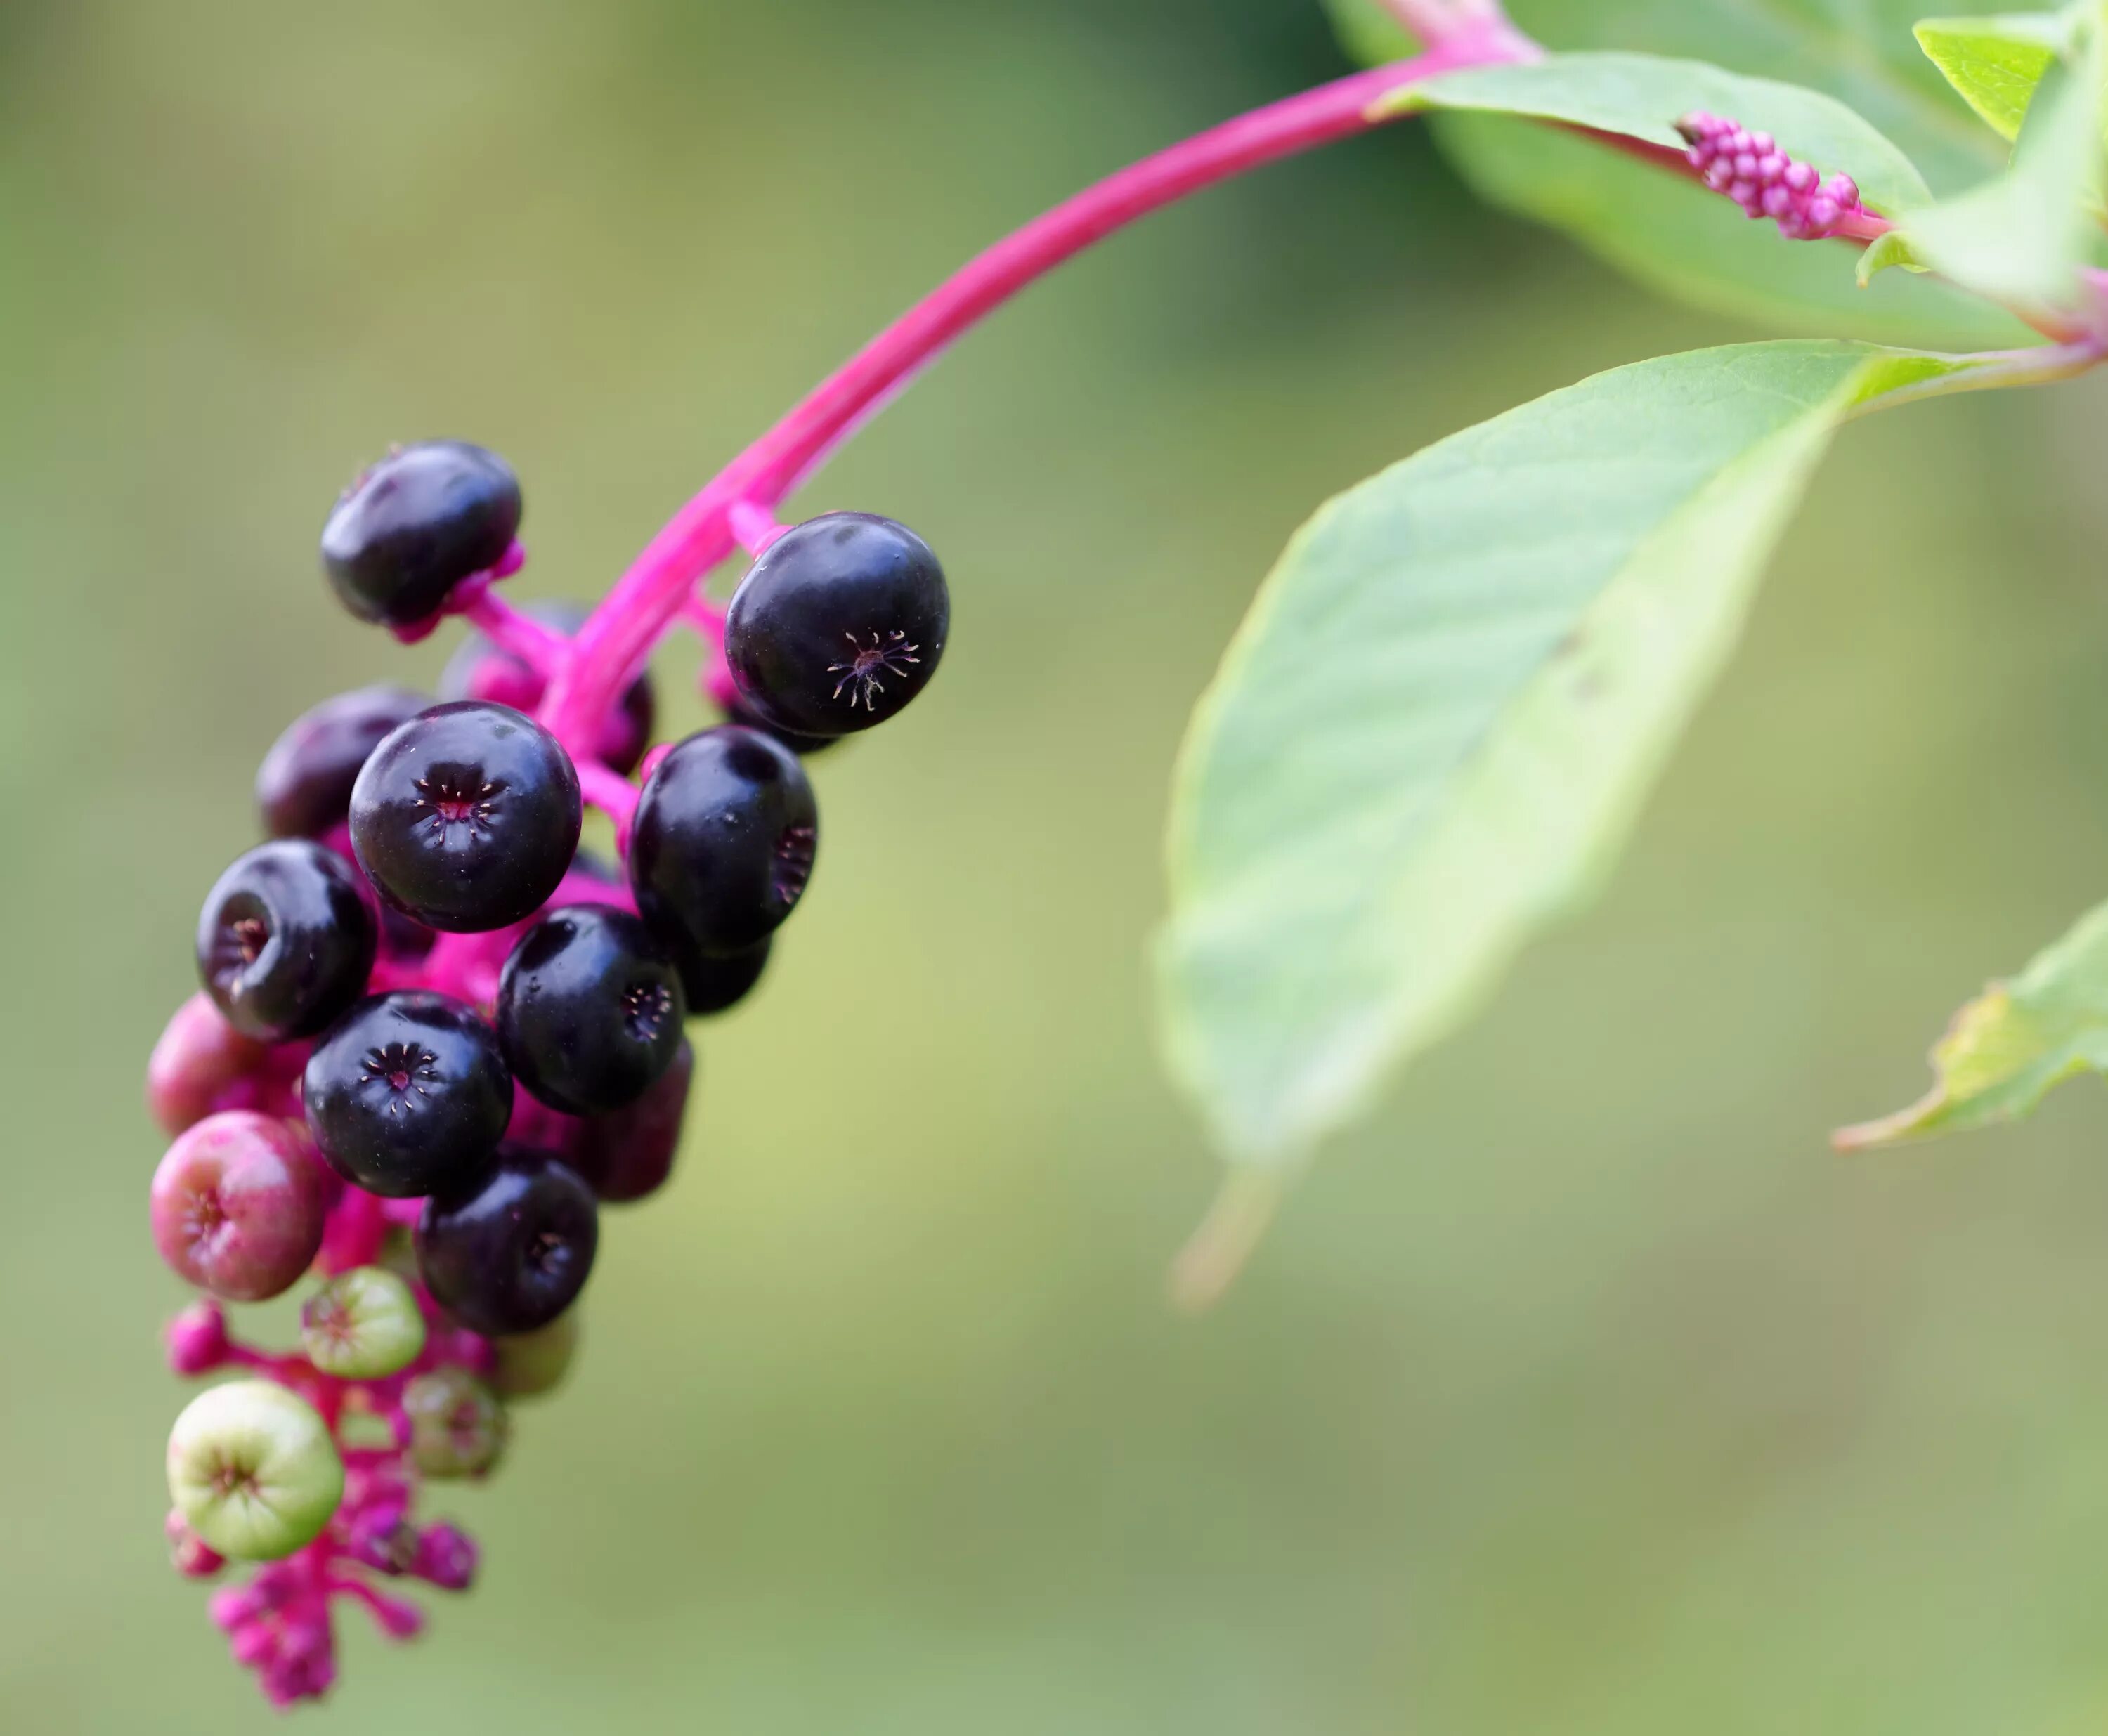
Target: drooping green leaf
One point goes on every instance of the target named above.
(1995, 63)
(1435, 726)
(1674, 236)
(2008, 1046)
(1678, 240)
(1640, 95)
(1885, 251)
(2021, 237)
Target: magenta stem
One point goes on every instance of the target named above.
(541, 648)
(613, 794)
(619, 635)
(753, 527)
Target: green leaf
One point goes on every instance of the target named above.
(1675, 237)
(2008, 1046)
(1996, 63)
(1640, 95)
(1437, 723)
(2022, 237)
(1680, 241)
(1369, 33)
(1885, 251)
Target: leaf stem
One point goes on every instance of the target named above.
(1990, 370)
(1216, 1252)
(621, 633)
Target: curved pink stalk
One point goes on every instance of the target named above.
(615, 641)
(541, 648)
(613, 794)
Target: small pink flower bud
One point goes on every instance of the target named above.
(1844, 190)
(1800, 177)
(1778, 201)
(196, 1339)
(447, 1557)
(1744, 193)
(1770, 167)
(190, 1555)
(1762, 143)
(254, 1644)
(395, 1618)
(236, 1607)
(1822, 213)
(1745, 166)
(1718, 172)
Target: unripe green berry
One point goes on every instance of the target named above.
(253, 1470)
(457, 1426)
(530, 1363)
(362, 1324)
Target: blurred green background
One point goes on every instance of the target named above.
(1584, 1392)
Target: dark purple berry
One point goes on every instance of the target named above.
(723, 841)
(467, 816)
(589, 1008)
(838, 624)
(304, 786)
(408, 1094)
(238, 1205)
(628, 1155)
(286, 941)
(402, 937)
(479, 670)
(416, 524)
(714, 981)
(511, 1254)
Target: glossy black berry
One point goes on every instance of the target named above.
(416, 524)
(628, 1154)
(589, 1008)
(467, 816)
(511, 1252)
(284, 941)
(479, 670)
(838, 625)
(304, 786)
(408, 1094)
(714, 981)
(723, 840)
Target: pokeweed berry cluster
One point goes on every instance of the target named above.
(1750, 169)
(434, 1036)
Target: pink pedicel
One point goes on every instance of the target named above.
(1751, 170)
(280, 1623)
